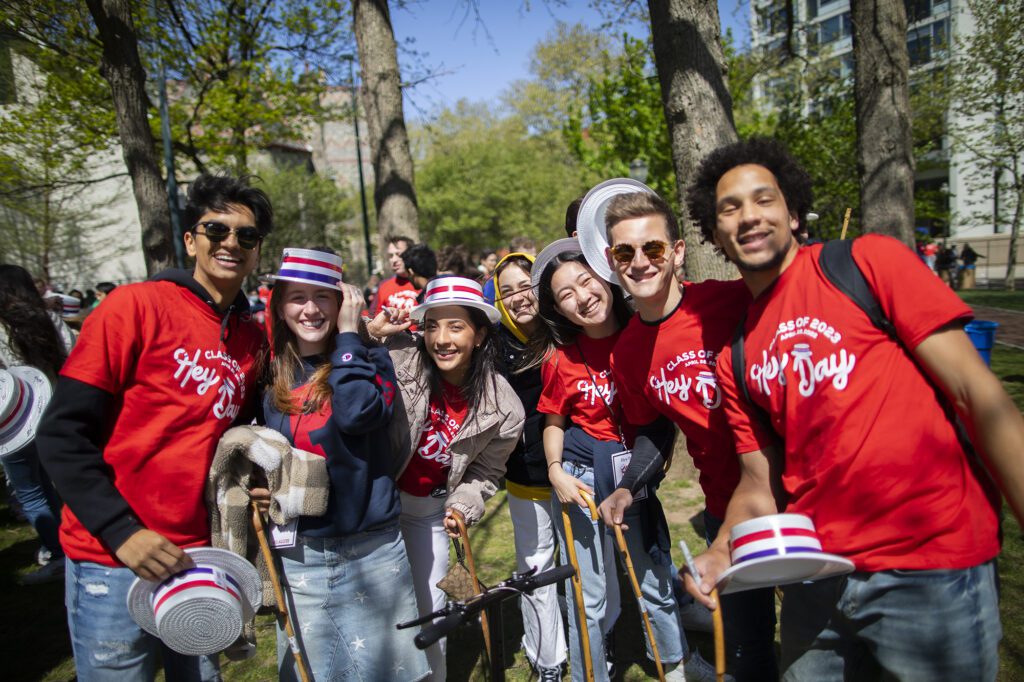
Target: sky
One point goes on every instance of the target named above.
(477, 59)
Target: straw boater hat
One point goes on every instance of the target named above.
(777, 550)
(550, 252)
(24, 393)
(199, 611)
(309, 266)
(590, 223)
(453, 290)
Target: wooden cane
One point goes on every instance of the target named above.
(846, 222)
(716, 619)
(464, 532)
(620, 539)
(577, 587)
(282, 606)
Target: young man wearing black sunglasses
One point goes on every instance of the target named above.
(160, 371)
(664, 367)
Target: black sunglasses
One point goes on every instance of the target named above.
(654, 250)
(248, 237)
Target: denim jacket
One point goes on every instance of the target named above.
(478, 452)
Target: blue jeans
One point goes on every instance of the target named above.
(908, 625)
(35, 493)
(108, 645)
(600, 593)
(346, 595)
(749, 620)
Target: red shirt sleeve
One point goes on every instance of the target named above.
(110, 342)
(748, 431)
(553, 398)
(917, 302)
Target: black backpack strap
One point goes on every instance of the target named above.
(837, 263)
(739, 373)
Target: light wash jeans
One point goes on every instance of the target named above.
(107, 643)
(927, 626)
(346, 595)
(35, 493)
(600, 585)
(427, 545)
(534, 529)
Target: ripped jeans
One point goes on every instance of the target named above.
(107, 643)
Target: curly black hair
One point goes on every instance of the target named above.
(793, 180)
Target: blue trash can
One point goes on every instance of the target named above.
(983, 335)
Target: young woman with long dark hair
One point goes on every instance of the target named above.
(32, 335)
(331, 393)
(461, 419)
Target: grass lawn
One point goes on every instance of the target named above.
(35, 643)
(1011, 300)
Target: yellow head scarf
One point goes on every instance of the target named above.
(506, 318)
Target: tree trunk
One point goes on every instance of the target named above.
(885, 149)
(122, 68)
(698, 107)
(394, 193)
(1018, 215)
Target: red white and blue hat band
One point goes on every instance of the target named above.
(775, 542)
(190, 579)
(18, 417)
(463, 291)
(309, 266)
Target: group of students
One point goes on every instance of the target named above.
(560, 388)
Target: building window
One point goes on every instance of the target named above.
(772, 19)
(830, 30)
(816, 7)
(8, 95)
(917, 10)
(927, 42)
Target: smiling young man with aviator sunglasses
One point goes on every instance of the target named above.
(160, 371)
(664, 367)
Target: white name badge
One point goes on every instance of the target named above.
(283, 537)
(620, 462)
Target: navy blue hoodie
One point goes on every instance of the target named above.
(351, 431)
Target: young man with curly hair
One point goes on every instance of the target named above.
(859, 430)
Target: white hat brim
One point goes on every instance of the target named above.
(279, 278)
(141, 609)
(419, 311)
(550, 253)
(770, 571)
(590, 222)
(42, 392)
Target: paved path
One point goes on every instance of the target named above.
(1011, 324)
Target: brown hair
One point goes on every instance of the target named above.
(286, 363)
(640, 205)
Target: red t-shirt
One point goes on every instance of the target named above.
(570, 390)
(177, 387)
(870, 453)
(668, 368)
(396, 292)
(428, 468)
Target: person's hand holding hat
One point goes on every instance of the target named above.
(151, 556)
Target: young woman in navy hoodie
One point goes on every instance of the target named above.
(332, 394)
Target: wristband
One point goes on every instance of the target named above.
(559, 463)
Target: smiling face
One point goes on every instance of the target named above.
(395, 252)
(451, 338)
(311, 313)
(754, 226)
(221, 267)
(516, 293)
(650, 281)
(583, 298)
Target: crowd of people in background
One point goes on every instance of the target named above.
(562, 373)
(954, 266)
